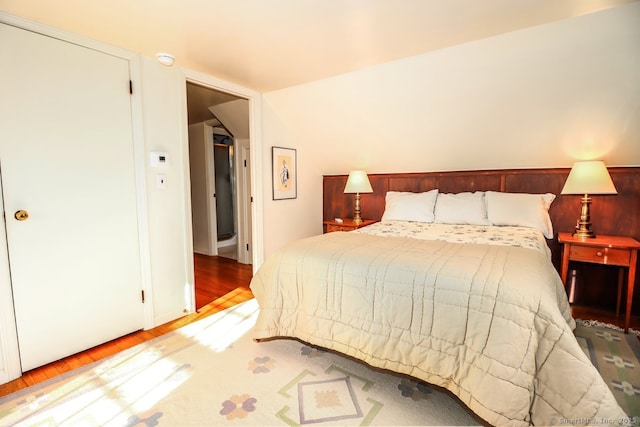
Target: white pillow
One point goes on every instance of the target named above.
(521, 209)
(461, 208)
(406, 206)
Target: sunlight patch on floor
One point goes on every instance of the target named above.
(128, 385)
(114, 391)
(218, 331)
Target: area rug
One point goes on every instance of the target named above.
(617, 357)
(211, 373)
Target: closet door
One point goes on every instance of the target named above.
(67, 165)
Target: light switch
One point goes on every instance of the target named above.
(161, 181)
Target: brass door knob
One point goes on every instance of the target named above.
(21, 215)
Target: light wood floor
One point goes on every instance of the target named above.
(220, 283)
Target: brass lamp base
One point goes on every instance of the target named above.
(583, 234)
(583, 229)
(357, 219)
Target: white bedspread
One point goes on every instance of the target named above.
(523, 237)
(489, 322)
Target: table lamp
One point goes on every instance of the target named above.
(588, 177)
(358, 182)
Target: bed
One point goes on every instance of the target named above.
(457, 290)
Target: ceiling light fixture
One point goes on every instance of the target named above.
(165, 58)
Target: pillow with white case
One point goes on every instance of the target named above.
(461, 208)
(521, 209)
(407, 206)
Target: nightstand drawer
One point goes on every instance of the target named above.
(334, 227)
(346, 225)
(600, 255)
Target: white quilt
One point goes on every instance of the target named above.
(491, 323)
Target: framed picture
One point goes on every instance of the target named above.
(284, 173)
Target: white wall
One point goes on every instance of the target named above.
(169, 211)
(165, 129)
(535, 98)
(540, 97)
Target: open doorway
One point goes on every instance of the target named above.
(220, 185)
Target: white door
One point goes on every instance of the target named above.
(66, 158)
(245, 198)
(203, 201)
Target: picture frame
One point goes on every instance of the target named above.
(284, 173)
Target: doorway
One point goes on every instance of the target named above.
(220, 179)
(226, 195)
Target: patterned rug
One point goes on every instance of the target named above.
(617, 357)
(211, 373)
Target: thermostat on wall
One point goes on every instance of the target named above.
(159, 159)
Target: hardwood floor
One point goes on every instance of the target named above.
(220, 283)
(217, 276)
(606, 316)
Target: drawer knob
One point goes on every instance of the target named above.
(599, 253)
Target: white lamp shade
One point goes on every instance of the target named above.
(358, 182)
(589, 177)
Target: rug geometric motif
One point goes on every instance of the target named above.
(327, 400)
(329, 396)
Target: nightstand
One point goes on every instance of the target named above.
(606, 250)
(346, 225)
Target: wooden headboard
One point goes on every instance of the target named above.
(610, 214)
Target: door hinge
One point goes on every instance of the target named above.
(130, 87)
(142, 294)
(245, 163)
(247, 246)
(251, 199)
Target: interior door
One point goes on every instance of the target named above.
(203, 198)
(244, 252)
(66, 155)
(224, 185)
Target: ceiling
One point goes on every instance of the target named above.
(200, 98)
(267, 45)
